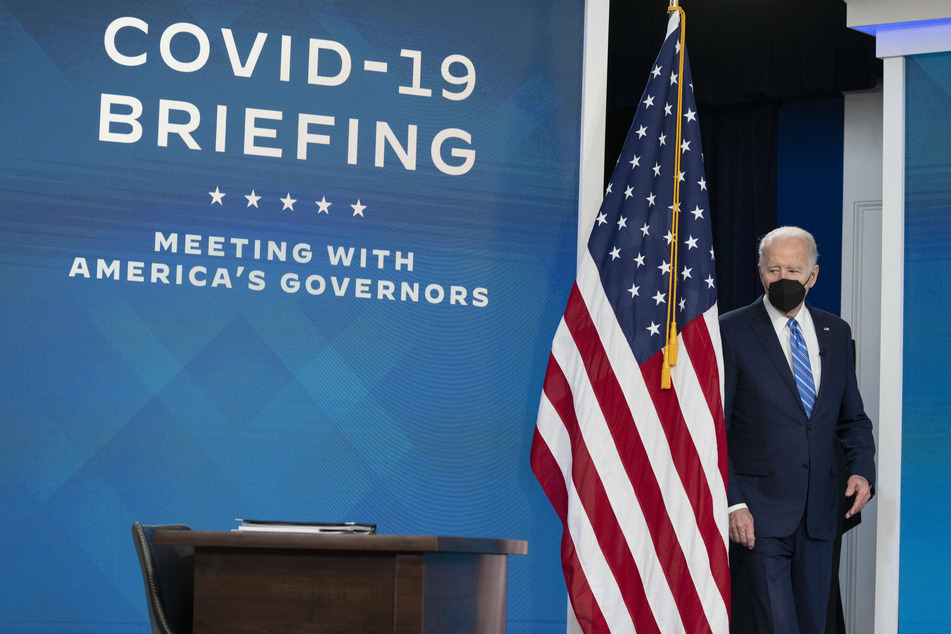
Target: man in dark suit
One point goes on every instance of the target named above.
(790, 392)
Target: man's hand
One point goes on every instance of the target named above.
(859, 487)
(741, 527)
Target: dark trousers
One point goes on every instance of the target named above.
(742, 618)
(788, 579)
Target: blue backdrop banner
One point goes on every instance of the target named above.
(295, 260)
(925, 430)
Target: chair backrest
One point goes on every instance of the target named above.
(168, 573)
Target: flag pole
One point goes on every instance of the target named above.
(670, 350)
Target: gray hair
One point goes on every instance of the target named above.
(790, 233)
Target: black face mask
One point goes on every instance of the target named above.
(786, 294)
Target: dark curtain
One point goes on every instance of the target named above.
(739, 143)
(747, 58)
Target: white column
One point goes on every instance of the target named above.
(890, 405)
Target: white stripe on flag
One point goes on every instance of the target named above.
(702, 429)
(594, 566)
(677, 503)
(617, 485)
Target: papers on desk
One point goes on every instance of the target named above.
(345, 528)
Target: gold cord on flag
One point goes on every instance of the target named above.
(670, 350)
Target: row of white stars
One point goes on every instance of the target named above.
(323, 205)
(654, 329)
(661, 298)
(622, 220)
(690, 242)
(656, 72)
(690, 116)
(641, 132)
(651, 200)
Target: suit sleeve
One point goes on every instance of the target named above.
(854, 428)
(734, 493)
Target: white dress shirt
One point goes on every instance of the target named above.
(808, 329)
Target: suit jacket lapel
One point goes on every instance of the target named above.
(825, 339)
(766, 334)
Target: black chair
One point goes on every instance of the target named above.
(168, 572)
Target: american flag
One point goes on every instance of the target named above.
(636, 472)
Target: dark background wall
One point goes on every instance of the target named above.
(769, 77)
(809, 184)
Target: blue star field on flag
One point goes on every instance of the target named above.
(630, 241)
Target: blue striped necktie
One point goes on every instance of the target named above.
(802, 369)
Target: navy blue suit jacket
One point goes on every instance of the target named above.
(781, 463)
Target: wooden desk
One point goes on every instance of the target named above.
(249, 582)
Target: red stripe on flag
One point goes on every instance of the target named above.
(549, 474)
(634, 456)
(546, 470)
(543, 462)
(703, 356)
(697, 337)
(591, 492)
(687, 461)
(583, 602)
